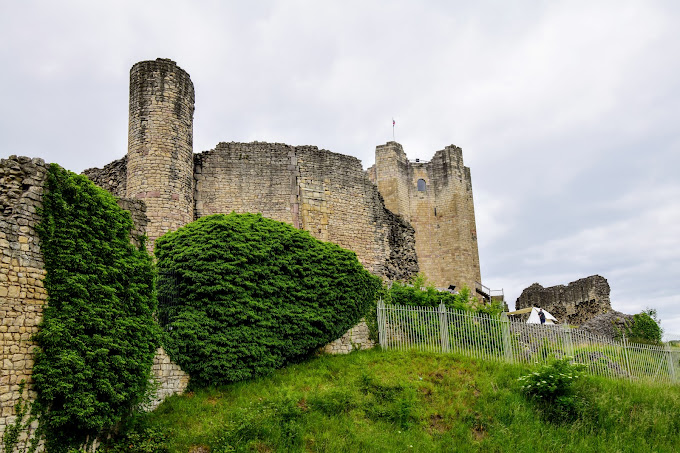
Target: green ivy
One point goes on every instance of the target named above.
(421, 293)
(252, 294)
(98, 337)
(22, 421)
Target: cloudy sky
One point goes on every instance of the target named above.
(567, 111)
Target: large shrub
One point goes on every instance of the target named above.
(98, 337)
(419, 292)
(251, 293)
(645, 328)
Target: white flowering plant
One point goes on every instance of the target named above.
(552, 385)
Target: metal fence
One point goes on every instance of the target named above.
(168, 300)
(497, 338)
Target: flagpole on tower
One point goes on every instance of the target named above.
(392, 128)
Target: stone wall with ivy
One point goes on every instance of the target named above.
(23, 297)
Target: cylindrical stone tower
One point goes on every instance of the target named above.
(160, 161)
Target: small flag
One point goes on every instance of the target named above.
(392, 121)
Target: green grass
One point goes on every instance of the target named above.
(385, 401)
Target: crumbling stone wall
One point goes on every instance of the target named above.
(248, 177)
(137, 210)
(169, 378)
(436, 198)
(22, 293)
(575, 303)
(402, 262)
(355, 339)
(112, 178)
(611, 324)
(325, 193)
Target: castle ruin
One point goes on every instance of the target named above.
(399, 217)
(575, 303)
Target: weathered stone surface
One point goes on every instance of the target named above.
(575, 303)
(610, 325)
(137, 210)
(113, 177)
(168, 378)
(22, 293)
(355, 339)
(436, 199)
(325, 193)
(400, 217)
(160, 145)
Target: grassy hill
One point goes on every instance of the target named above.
(386, 401)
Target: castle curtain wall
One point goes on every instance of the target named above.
(394, 228)
(325, 193)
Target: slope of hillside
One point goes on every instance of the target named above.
(395, 401)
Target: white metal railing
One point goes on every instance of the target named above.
(439, 329)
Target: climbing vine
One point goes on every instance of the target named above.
(98, 337)
(22, 421)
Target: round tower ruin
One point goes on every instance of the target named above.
(160, 144)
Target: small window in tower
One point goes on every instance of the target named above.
(421, 185)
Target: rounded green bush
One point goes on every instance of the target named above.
(250, 294)
(645, 328)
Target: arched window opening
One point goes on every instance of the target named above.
(421, 185)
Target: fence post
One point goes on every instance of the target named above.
(443, 327)
(671, 365)
(505, 332)
(625, 352)
(566, 339)
(380, 318)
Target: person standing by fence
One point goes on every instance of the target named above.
(541, 315)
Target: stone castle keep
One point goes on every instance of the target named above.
(399, 217)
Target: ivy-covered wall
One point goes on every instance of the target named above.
(98, 336)
(23, 296)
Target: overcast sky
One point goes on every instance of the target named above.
(567, 112)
